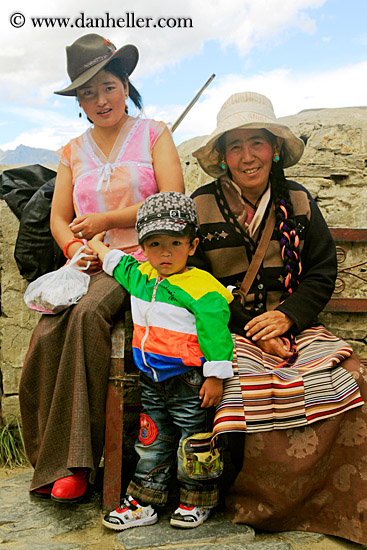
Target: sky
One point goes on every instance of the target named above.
(301, 54)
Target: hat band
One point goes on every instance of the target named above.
(92, 63)
(175, 215)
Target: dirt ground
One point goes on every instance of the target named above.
(5, 473)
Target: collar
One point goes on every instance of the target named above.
(259, 214)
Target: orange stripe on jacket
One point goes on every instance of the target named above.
(170, 344)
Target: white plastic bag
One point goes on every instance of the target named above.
(55, 291)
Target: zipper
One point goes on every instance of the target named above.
(147, 329)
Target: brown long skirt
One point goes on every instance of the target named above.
(308, 479)
(63, 386)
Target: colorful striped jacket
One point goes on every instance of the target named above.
(180, 322)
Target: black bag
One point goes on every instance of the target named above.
(28, 192)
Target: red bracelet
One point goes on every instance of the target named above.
(65, 249)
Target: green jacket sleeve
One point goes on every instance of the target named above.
(212, 315)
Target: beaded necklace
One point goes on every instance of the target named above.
(254, 206)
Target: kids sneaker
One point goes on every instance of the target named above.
(189, 516)
(130, 514)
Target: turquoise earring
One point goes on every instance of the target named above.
(223, 165)
(276, 157)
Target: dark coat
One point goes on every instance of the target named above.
(28, 192)
(227, 250)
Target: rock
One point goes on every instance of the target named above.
(216, 529)
(28, 523)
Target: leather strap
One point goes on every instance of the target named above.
(257, 258)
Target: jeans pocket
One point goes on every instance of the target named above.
(192, 377)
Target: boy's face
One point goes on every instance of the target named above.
(168, 255)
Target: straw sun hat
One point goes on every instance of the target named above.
(247, 110)
(89, 54)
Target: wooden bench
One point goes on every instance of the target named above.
(342, 235)
(340, 303)
(120, 380)
(123, 397)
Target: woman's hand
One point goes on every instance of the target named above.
(274, 346)
(92, 257)
(268, 325)
(88, 225)
(211, 392)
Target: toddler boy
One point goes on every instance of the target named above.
(183, 348)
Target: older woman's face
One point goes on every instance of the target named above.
(249, 156)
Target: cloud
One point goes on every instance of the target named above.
(289, 93)
(44, 138)
(33, 59)
(50, 130)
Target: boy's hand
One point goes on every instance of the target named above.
(211, 392)
(98, 246)
(98, 238)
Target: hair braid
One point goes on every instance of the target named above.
(286, 226)
(289, 241)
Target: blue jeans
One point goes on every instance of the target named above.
(171, 412)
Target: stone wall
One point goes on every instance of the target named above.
(334, 170)
(16, 320)
(333, 166)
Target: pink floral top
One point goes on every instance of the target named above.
(125, 178)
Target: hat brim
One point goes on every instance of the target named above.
(209, 158)
(151, 229)
(128, 55)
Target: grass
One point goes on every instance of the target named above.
(12, 451)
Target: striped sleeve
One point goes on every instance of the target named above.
(124, 268)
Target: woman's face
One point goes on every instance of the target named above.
(103, 99)
(249, 156)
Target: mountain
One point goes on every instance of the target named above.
(28, 155)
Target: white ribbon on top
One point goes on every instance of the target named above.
(105, 175)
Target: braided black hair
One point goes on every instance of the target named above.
(285, 218)
(286, 228)
(288, 238)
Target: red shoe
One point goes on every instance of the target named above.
(43, 492)
(70, 488)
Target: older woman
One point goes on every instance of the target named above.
(294, 392)
(103, 177)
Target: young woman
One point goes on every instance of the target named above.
(103, 177)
